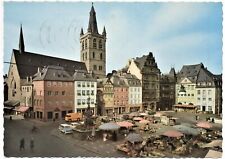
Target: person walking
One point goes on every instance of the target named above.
(32, 144)
(22, 144)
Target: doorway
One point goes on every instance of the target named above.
(203, 108)
(56, 115)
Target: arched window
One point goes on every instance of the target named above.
(85, 55)
(85, 43)
(100, 56)
(14, 85)
(100, 44)
(82, 45)
(93, 55)
(94, 43)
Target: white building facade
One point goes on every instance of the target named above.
(135, 98)
(206, 99)
(85, 91)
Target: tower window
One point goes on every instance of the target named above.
(14, 85)
(85, 55)
(94, 43)
(82, 45)
(85, 43)
(95, 67)
(100, 67)
(100, 44)
(100, 56)
(93, 55)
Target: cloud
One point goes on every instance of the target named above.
(174, 17)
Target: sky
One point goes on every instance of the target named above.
(177, 33)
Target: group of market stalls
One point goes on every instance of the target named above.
(173, 136)
(12, 107)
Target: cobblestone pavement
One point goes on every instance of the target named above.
(50, 142)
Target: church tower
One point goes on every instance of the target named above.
(93, 47)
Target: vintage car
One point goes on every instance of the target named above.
(65, 128)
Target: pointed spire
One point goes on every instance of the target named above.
(21, 41)
(104, 32)
(92, 26)
(172, 71)
(81, 32)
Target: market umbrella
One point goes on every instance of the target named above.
(144, 121)
(204, 124)
(213, 154)
(187, 124)
(172, 133)
(214, 143)
(137, 118)
(125, 124)
(186, 130)
(133, 137)
(109, 126)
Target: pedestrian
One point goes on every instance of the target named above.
(31, 144)
(196, 117)
(104, 137)
(93, 132)
(10, 117)
(22, 144)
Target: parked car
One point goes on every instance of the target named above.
(74, 125)
(65, 128)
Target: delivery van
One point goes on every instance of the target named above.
(73, 117)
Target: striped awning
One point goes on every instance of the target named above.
(22, 109)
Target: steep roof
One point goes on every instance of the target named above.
(83, 76)
(28, 63)
(53, 73)
(131, 80)
(190, 70)
(117, 81)
(140, 61)
(92, 26)
(172, 72)
(146, 60)
(204, 76)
